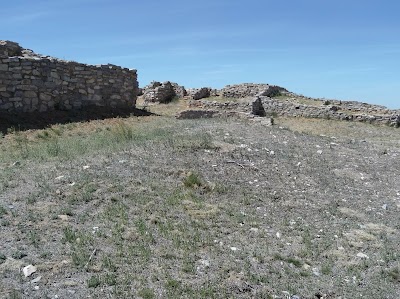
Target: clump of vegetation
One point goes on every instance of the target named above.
(276, 94)
(3, 211)
(123, 132)
(2, 258)
(192, 180)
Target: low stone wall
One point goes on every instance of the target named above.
(33, 82)
(287, 108)
(250, 90)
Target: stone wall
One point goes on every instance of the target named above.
(287, 108)
(250, 90)
(31, 82)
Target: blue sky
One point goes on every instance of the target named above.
(348, 50)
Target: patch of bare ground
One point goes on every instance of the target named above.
(157, 207)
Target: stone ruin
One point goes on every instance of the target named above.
(260, 100)
(267, 106)
(200, 93)
(32, 82)
(250, 90)
(157, 92)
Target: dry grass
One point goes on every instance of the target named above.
(383, 135)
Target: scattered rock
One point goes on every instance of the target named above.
(316, 272)
(362, 255)
(63, 217)
(29, 270)
(36, 280)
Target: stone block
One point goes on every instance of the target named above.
(6, 106)
(30, 94)
(3, 67)
(15, 99)
(45, 97)
(5, 94)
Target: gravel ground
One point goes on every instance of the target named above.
(220, 208)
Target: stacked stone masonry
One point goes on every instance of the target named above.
(30, 82)
(288, 108)
(250, 90)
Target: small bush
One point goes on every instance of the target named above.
(275, 94)
(94, 281)
(123, 132)
(146, 294)
(192, 180)
(3, 211)
(2, 258)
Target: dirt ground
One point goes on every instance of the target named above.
(155, 207)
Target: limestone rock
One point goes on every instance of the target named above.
(250, 90)
(200, 93)
(257, 107)
(157, 92)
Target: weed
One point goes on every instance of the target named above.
(110, 279)
(394, 274)
(43, 135)
(3, 211)
(18, 255)
(34, 238)
(5, 223)
(192, 180)
(15, 295)
(109, 264)
(94, 281)
(21, 143)
(172, 284)
(53, 148)
(2, 258)
(326, 268)
(57, 130)
(141, 227)
(289, 260)
(189, 265)
(117, 211)
(146, 293)
(276, 93)
(294, 262)
(141, 250)
(80, 256)
(122, 132)
(193, 142)
(69, 235)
